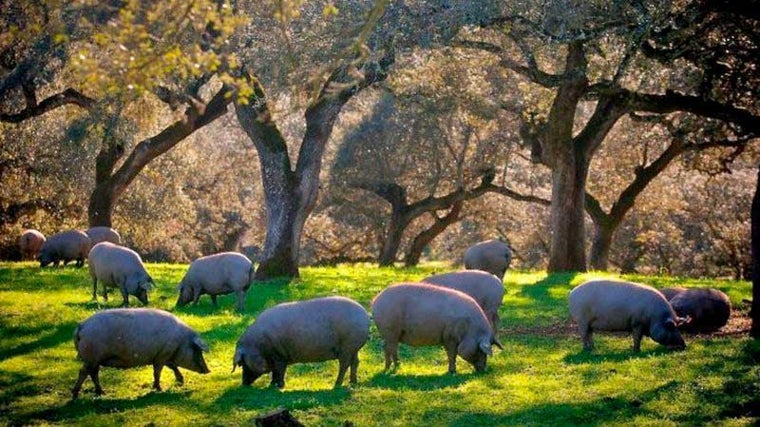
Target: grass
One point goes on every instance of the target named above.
(541, 377)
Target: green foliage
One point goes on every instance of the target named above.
(540, 378)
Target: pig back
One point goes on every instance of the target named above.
(125, 338)
(310, 331)
(616, 305)
(68, 244)
(420, 314)
(224, 271)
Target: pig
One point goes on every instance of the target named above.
(65, 246)
(103, 234)
(217, 274)
(492, 256)
(301, 332)
(127, 338)
(485, 288)
(30, 244)
(709, 309)
(609, 305)
(119, 267)
(421, 314)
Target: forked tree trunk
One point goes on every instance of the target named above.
(422, 240)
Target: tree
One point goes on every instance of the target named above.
(755, 311)
(614, 55)
(332, 68)
(121, 54)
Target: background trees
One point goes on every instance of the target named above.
(628, 111)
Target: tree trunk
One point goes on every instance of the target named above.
(567, 251)
(102, 201)
(600, 246)
(392, 240)
(423, 239)
(755, 249)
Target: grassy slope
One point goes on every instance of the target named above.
(540, 378)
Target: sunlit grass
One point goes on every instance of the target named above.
(541, 378)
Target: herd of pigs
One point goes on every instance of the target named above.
(456, 310)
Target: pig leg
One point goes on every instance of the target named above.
(83, 372)
(451, 353)
(125, 297)
(344, 361)
(278, 373)
(177, 374)
(248, 377)
(94, 289)
(638, 332)
(196, 296)
(587, 335)
(241, 299)
(354, 367)
(213, 301)
(157, 376)
(391, 354)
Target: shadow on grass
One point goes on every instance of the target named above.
(260, 295)
(539, 291)
(87, 404)
(256, 397)
(598, 356)
(597, 412)
(62, 333)
(419, 382)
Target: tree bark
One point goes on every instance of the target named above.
(110, 185)
(755, 249)
(398, 223)
(423, 239)
(600, 245)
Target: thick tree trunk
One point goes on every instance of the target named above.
(102, 201)
(567, 251)
(755, 246)
(392, 240)
(600, 246)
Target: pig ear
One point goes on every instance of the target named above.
(485, 347)
(198, 342)
(496, 342)
(237, 360)
(670, 325)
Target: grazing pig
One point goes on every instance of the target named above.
(127, 338)
(103, 234)
(66, 246)
(217, 274)
(119, 267)
(608, 305)
(492, 256)
(30, 243)
(300, 332)
(420, 314)
(709, 309)
(485, 288)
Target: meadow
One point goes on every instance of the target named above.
(540, 378)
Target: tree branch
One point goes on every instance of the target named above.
(67, 97)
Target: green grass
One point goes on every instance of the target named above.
(541, 377)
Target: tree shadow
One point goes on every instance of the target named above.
(540, 290)
(252, 397)
(419, 382)
(87, 404)
(586, 357)
(597, 412)
(63, 332)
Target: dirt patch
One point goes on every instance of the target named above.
(738, 324)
